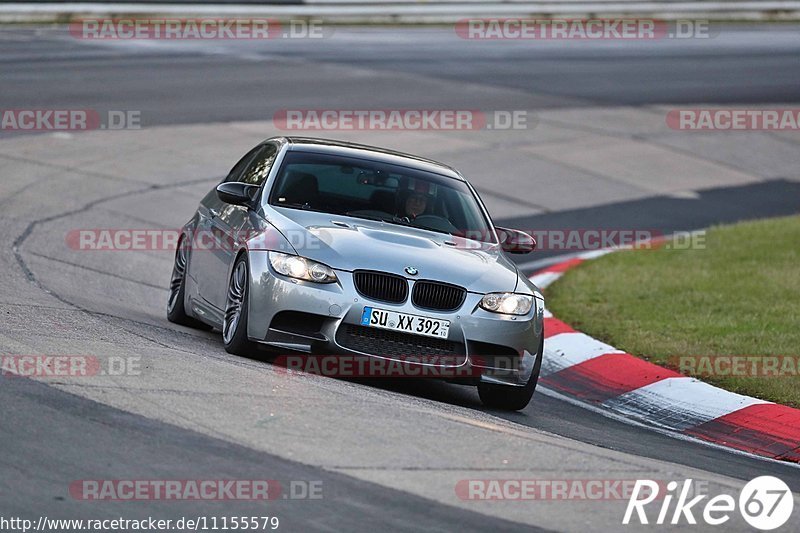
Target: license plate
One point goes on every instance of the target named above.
(415, 324)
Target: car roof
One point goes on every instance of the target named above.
(330, 146)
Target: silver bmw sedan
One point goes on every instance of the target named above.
(346, 251)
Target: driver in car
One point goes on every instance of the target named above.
(416, 204)
(416, 201)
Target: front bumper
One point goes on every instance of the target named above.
(325, 319)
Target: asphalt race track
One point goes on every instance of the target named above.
(387, 454)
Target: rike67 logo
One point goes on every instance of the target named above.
(766, 503)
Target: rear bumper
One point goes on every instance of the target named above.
(325, 320)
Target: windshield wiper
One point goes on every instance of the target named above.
(392, 220)
(304, 207)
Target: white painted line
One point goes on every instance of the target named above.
(679, 403)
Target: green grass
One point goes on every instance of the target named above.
(738, 296)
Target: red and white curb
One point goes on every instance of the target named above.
(592, 372)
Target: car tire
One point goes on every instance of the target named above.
(234, 325)
(509, 397)
(176, 310)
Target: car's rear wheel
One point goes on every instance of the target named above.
(509, 397)
(234, 325)
(176, 310)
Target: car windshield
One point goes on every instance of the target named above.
(373, 190)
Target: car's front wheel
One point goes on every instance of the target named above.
(234, 325)
(509, 397)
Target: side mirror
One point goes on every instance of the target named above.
(516, 242)
(237, 193)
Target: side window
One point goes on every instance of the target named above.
(237, 169)
(257, 170)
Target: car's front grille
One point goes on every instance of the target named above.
(381, 287)
(437, 296)
(401, 346)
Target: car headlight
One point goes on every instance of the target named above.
(507, 303)
(298, 267)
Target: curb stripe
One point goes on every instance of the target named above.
(606, 377)
(567, 349)
(679, 403)
(565, 265)
(765, 429)
(545, 278)
(591, 371)
(553, 326)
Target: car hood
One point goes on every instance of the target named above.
(346, 243)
